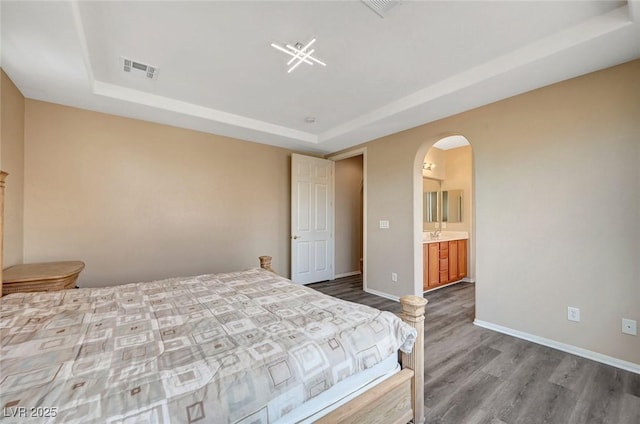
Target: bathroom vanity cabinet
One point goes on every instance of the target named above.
(444, 262)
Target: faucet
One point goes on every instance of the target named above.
(436, 233)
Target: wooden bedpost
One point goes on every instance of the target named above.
(265, 263)
(2, 177)
(413, 314)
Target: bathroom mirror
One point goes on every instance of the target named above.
(430, 200)
(452, 206)
(438, 204)
(430, 206)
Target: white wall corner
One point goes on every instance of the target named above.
(634, 10)
(382, 294)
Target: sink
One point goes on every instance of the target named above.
(427, 236)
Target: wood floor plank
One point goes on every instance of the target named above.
(574, 373)
(521, 387)
(551, 403)
(513, 355)
(478, 376)
(632, 384)
(464, 402)
(438, 390)
(629, 409)
(444, 356)
(600, 400)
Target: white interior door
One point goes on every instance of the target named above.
(311, 219)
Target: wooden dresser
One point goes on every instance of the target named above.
(48, 276)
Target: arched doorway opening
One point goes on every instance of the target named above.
(444, 212)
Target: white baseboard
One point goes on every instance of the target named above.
(442, 286)
(383, 294)
(574, 350)
(469, 280)
(347, 274)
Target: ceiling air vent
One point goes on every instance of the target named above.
(381, 7)
(134, 67)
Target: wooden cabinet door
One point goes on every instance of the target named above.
(425, 266)
(453, 260)
(462, 259)
(444, 262)
(434, 267)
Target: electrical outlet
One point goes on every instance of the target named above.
(394, 277)
(573, 314)
(384, 224)
(629, 326)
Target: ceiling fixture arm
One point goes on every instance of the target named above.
(299, 54)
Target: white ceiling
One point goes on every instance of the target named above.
(451, 142)
(218, 73)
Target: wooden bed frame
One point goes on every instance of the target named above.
(400, 398)
(3, 175)
(397, 400)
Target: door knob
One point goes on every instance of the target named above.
(295, 237)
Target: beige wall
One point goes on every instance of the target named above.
(138, 201)
(459, 177)
(12, 161)
(557, 187)
(348, 213)
(459, 165)
(436, 157)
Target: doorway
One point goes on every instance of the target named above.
(350, 217)
(445, 163)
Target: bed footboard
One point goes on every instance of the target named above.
(413, 314)
(386, 403)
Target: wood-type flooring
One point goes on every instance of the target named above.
(478, 376)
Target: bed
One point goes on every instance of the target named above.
(239, 347)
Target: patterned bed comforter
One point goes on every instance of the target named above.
(243, 347)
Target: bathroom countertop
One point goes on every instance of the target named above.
(427, 236)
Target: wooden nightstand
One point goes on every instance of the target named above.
(49, 276)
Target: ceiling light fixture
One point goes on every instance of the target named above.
(299, 54)
(428, 166)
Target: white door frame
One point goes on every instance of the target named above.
(346, 155)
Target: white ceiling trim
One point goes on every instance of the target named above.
(82, 39)
(532, 52)
(160, 102)
(519, 58)
(117, 92)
